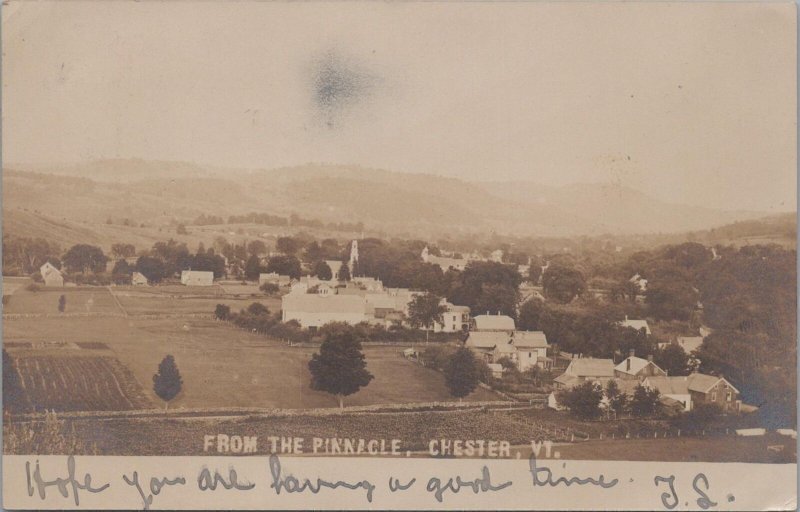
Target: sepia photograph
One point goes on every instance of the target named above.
(374, 234)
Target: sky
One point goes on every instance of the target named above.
(690, 102)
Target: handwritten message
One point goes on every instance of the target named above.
(275, 482)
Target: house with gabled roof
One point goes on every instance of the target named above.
(138, 279)
(636, 368)
(697, 388)
(525, 348)
(584, 369)
(51, 275)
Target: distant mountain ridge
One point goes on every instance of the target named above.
(160, 192)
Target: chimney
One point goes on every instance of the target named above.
(626, 318)
(632, 352)
(628, 363)
(650, 358)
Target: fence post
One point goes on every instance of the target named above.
(679, 432)
(601, 436)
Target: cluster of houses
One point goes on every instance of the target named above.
(494, 337)
(676, 392)
(54, 278)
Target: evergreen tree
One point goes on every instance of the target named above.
(323, 271)
(167, 382)
(252, 268)
(461, 373)
(344, 272)
(340, 367)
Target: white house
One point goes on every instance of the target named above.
(525, 348)
(455, 319)
(138, 279)
(197, 278)
(636, 324)
(489, 322)
(51, 275)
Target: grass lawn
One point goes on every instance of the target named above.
(223, 366)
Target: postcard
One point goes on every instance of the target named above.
(399, 255)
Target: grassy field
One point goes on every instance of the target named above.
(97, 300)
(142, 304)
(221, 366)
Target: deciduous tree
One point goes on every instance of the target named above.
(583, 400)
(84, 258)
(461, 373)
(425, 310)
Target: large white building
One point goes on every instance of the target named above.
(314, 306)
(197, 278)
(313, 310)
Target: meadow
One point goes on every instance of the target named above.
(221, 366)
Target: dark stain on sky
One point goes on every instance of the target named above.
(339, 86)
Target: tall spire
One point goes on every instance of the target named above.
(353, 253)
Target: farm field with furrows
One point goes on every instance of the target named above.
(223, 366)
(78, 383)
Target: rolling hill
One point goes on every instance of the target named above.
(159, 194)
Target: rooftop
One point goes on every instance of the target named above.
(494, 323)
(591, 367)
